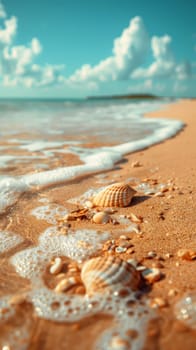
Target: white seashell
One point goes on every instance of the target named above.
(57, 266)
(152, 275)
(65, 284)
(101, 218)
(108, 273)
(88, 204)
(116, 195)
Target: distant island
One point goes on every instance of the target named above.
(132, 96)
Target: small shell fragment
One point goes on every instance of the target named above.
(136, 164)
(65, 284)
(108, 274)
(116, 195)
(135, 218)
(133, 262)
(118, 343)
(89, 204)
(57, 266)
(152, 275)
(18, 299)
(101, 218)
(158, 303)
(120, 249)
(151, 255)
(173, 292)
(186, 254)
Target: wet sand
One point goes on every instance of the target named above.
(167, 225)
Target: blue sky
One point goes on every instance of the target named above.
(77, 48)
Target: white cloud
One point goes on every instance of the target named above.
(129, 51)
(164, 64)
(16, 59)
(35, 75)
(7, 34)
(161, 48)
(183, 70)
(17, 65)
(2, 11)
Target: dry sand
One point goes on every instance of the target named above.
(169, 224)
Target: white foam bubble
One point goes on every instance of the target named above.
(78, 245)
(6, 160)
(19, 336)
(9, 240)
(185, 310)
(6, 311)
(41, 145)
(49, 213)
(67, 308)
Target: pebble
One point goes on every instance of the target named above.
(151, 255)
(101, 218)
(123, 237)
(186, 254)
(172, 292)
(168, 255)
(158, 302)
(136, 164)
(152, 275)
(120, 249)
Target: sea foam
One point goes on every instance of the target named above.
(114, 118)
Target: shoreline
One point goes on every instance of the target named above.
(168, 225)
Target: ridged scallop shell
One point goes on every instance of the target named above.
(116, 195)
(108, 273)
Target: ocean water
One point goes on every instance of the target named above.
(37, 138)
(110, 121)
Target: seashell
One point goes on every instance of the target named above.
(116, 195)
(101, 218)
(186, 254)
(57, 266)
(152, 275)
(108, 274)
(65, 284)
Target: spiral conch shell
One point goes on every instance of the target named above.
(116, 195)
(111, 273)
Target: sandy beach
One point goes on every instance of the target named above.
(166, 224)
